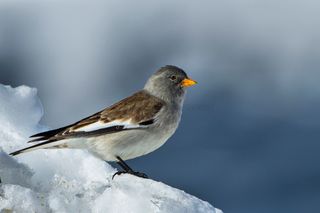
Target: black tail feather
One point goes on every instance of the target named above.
(49, 133)
(30, 147)
(46, 135)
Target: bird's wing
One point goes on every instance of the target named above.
(135, 112)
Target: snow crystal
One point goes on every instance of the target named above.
(70, 180)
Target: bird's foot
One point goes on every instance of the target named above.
(138, 174)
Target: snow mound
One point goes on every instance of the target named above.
(70, 180)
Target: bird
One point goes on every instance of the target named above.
(130, 128)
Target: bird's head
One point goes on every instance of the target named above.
(169, 83)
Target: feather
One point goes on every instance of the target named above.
(135, 112)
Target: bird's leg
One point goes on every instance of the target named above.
(126, 169)
(123, 164)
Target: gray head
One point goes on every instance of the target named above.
(169, 83)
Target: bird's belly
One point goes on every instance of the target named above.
(127, 145)
(131, 143)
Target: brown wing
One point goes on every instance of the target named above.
(140, 108)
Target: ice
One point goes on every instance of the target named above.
(70, 180)
(153, 197)
(20, 113)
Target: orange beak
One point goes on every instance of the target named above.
(188, 82)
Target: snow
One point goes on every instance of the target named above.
(70, 180)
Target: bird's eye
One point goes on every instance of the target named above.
(173, 78)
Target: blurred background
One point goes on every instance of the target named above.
(249, 137)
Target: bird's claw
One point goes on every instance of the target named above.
(118, 173)
(138, 174)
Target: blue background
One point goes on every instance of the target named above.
(249, 136)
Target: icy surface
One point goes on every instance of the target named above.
(70, 180)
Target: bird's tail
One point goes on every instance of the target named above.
(44, 140)
(42, 145)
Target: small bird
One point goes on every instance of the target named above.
(135, 126)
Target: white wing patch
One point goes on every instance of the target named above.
(101, 125)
